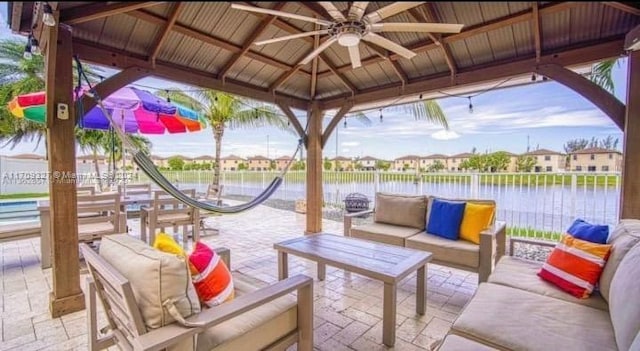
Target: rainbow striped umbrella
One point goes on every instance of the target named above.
(134, 110)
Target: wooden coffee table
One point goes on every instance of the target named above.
(387, 263)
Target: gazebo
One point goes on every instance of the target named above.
(212, 45)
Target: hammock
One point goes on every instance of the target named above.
(147, 166)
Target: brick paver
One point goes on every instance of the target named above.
(348, 307)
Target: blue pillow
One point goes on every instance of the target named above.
(594, 233)
(445, 219)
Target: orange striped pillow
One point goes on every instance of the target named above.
(575, 265)
(211, 276)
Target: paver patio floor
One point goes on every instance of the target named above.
(348, 307)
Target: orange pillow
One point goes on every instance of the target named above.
(210, 276)
(477, 217)
(575, 265)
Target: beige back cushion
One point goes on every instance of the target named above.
(405, 210)
(623, 299)
(623, 237)
(155, 276)
(475, 201)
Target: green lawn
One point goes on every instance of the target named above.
(533, 233)
(22, 196)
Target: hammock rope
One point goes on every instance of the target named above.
(147, 166)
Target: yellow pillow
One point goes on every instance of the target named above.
(165, 243)
(476, 218)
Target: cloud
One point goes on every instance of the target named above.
(350, 143)
(445, 135)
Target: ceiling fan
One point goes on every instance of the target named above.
(348, 31)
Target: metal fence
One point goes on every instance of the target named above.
(531, 203)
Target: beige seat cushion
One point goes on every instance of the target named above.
(523, 274)
(623, 299)
(403, 210)
(384, 233)
(255, 329)
(514, 319)
(460, 252)
(155, 276)
(458, 343)
(623, 237)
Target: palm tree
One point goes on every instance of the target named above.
(601, 74)
(93, 141)
(221, 111)
(18, 76)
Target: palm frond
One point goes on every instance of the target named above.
(602, 75)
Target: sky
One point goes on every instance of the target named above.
(537, 115)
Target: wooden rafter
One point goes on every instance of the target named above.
(81, 14)
(332, 69)
(210, 39)
(432, 16)
(344, 109)
(314, 67)
(116, 58)
(173, 17)
(255, 33)
(611, 47)
(537, 30)
(474, 30)
(622, 7)
(292, 118)
(399, 71)
(287, 75)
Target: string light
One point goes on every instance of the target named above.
(533, 77)
(168, 98)
(47, 15)
(470, 105)
(380, 115)
(345, 122)
(420, 96)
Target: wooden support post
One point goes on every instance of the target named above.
(67, 296)
(314, 171)
(629, 201)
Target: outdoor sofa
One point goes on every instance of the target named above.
(517, 310)
(401, 220)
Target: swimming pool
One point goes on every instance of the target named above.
(18, 211)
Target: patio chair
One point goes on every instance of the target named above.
(98, 215)
(214, 193)
(86, 190)
(136, 189)
(166, 211)
(266, 318)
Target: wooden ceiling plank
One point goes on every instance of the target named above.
(589, 53)
(209, 39)
(173, 17)
(81, 14)
(255, 33)
(622, 7)
(537, 30)
(112, 57)
(432, 17)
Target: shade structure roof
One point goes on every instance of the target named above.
(210, 44)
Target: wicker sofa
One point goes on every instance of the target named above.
(401, 220)
(516, 310)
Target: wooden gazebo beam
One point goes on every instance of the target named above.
(111, 57)
(293, 119)
(95, 11)
(605, 101)
(479, 74)
(113, 83)
(164, 32)
(630, 185)
(622, 7)
(334, 122)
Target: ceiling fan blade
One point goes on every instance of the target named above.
(417, 27)
(357, 10)
(354, 55)
(280, 13)
(390, 10)
(389, 45)
(318, 50)
(293, 36)
(332, 10)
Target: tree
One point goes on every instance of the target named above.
(477, 162)
(436, 166)
(221, 111)
(575, 145)
(326, 164)
(609, 143)
(272, 165)
(498, 161)
(93, 141)
(175, 163)
(299, 165)
(602, 74)
(357, 166)
(383, 165)
(243, 166)
(526, 163)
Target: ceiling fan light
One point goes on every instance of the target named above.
(349, 39)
